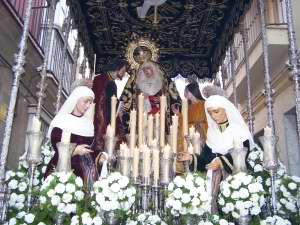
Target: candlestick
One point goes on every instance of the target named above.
(155, 161)
(150, 129)
(163, 104)
(132, 129)
(66, 137)
(36, 124)
(166, 165)
(113, 113)
(174, 133)
(140, 119)
(135, 167)
(146, 161)
(185, 128)
(125, 154)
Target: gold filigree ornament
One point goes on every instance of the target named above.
(140, 51)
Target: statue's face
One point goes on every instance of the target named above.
(217, 114)
(82, 105)
(148, 71)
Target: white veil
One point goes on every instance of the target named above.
(222, 142)
(83, 125)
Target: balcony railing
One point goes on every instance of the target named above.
(276, 15)
(37, 28)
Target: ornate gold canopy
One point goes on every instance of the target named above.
(140, 51)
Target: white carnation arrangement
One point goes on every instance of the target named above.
(275, 220)
(241, 195)
(61, 192)
(86, 219)
(188, 196)
(146, 219)
(113, 193)
(288, 189)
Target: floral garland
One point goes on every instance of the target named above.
(188, 196)
(241, 195)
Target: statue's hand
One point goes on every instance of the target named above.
(214, 165)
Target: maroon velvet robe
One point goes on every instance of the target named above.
(83, 166)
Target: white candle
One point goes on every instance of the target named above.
(270, 156)
(125, 153)
(237, 143)
(140, 119)
(110, 141)
(191, 131)
(197, 142)
(36, 124)
(145, 124)
(109, 131)
(136, 159)
(146, 161)
(155, 161)
(185, 122)
(174, 133)
(150, 129)
(113, 113)
(157, 118)
(66, 137)
(163, 104)
(166, 165)
(132, 129)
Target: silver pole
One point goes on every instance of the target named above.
(232, 73)
(293, 57)
(269, 100)
(48, 33)
(247, 67)
(63, 66)
(18, 70)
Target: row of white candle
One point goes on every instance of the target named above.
(149, 156)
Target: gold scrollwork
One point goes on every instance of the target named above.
(140, 51)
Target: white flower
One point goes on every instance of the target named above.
(229, 206)
(235, 215)
(226, 192)
(64, 177)
(115, 187)
(12, 221)
(177, 205)
(254, 187)
(97, 220)
(79, 195)
(50, 193)
(296, 179)
(290, 206)
(171, 186)
(186, 198)
(41, 223)
(29, 218)
(244, 193)
(61, 207)
(255, 210)
(258, 168)
(13, 184)
(236, 184)
(21, 198)
(67, 197)
(20, 174)
(247, 180)
(223, 222)
(177, 193)
(221, 201)
(60, 188)
(292, 186)
(55, 200)
(78, 182)
(70, 188)
(141, 217)
(123, 182)
(179, 181)
(21, 215)
(42, 199)
(22, 186)
(196, 202)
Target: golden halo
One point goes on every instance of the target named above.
(140, 51)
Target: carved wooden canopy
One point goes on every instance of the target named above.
(191, 35)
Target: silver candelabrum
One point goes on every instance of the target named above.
(33, 158)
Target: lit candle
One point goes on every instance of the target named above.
(146, 161)
(155, 154)
(157, 118)
(140, 119)
(66, 137)
(135, 167)
(150, 129)
(132, 129)
(125, 153)
(185, 121)
(174, 133)
(113, 113)
(163, 104)
(36, 124)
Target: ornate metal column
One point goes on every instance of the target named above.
(247, 67)
(66, 30)
(76, 57)
(43, 68)
(293, 58)
(232, 73)
(18, 70)
(269, 100)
